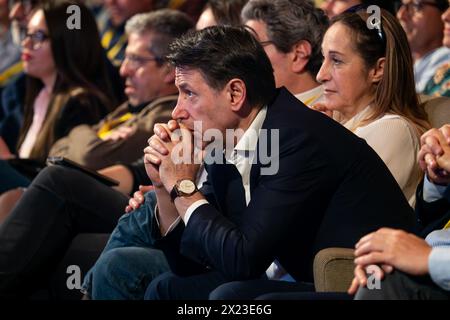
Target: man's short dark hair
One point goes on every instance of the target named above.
(222, 53)
(165, 24)
(291, 21)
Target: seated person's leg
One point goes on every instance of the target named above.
(133, 230)
(400, 286)
(59, 204)
(251, 289)
(124, 273)
(170, 286)
(305, 296)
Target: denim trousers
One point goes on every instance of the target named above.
(129, 261)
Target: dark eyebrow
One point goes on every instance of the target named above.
(183, 86)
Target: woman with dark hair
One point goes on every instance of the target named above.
(67, 82)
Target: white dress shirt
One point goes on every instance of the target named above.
(242, 157)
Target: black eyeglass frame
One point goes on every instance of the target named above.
(37, 38)
(138, 61)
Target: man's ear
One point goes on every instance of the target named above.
(301, 52)
(236, 93)
(376, 73)
(169, 74)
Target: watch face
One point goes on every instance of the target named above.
(187, 186)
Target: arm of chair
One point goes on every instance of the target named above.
(333, 269)
(437, 109)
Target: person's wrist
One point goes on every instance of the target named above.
(439, 180)
(183, 203)
(160, 188)
(185, 187)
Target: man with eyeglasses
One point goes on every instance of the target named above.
(290, 32)
(421, 20)
(334, 7)
(121, 136)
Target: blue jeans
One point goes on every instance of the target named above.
(10, 178)
(129, 261)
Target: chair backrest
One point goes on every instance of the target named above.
(333, 269)
(438, 110)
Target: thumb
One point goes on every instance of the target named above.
(145, 189)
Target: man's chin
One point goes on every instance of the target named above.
(133, 102)
(117, 20)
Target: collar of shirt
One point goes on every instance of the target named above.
(353, 123)
(311, 97)
(244, 152)
(247, 143)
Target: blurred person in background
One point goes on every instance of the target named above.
(221, 12)
(290, 32)
(334, 7)
(439, 84)
(421, 20)
(67, 83)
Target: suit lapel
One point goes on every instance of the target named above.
(229, 192)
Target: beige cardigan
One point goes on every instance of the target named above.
(395, 140)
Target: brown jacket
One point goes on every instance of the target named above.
(82, 144)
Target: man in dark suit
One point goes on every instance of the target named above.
(294, 181)
(63, 202)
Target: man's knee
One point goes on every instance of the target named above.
(160, 287)
(51, 172)
(54, 177)
(106, 264)
(226, 291)
(128, 263)
(394, 286)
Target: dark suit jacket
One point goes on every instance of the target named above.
(432, 215)
(331, 189)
